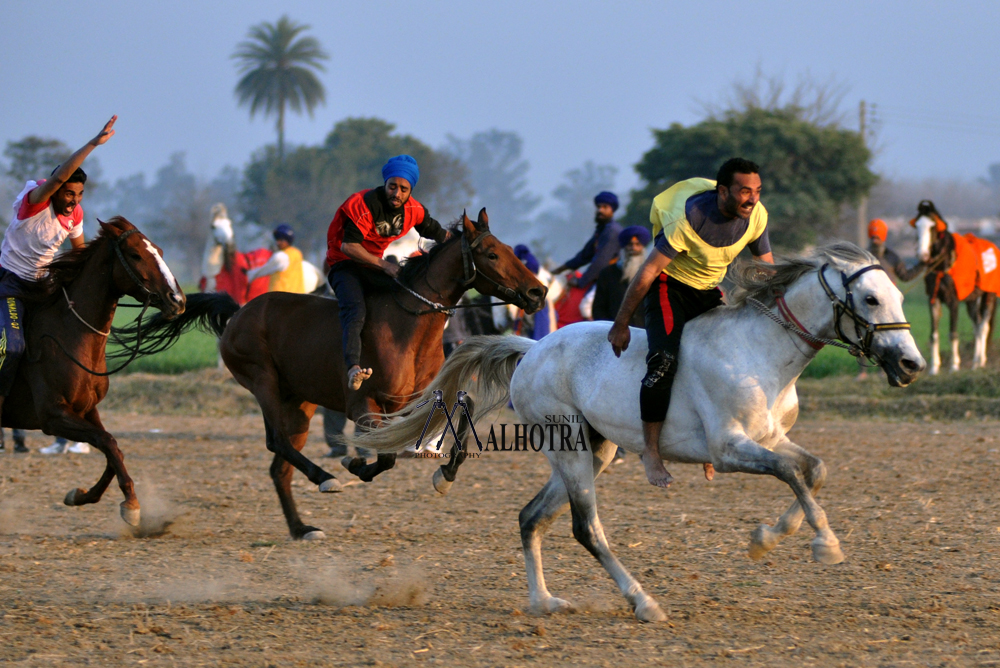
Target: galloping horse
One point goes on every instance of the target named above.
(224, 268)
(59, 381)
(959, 269)
(286, 349)
(733, 403)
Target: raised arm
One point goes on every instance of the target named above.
(54, 182)
(619, 336)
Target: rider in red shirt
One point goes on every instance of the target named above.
(362, 229)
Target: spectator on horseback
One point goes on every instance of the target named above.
(362, 228)
(699, 227)
(878, 232)
(600, 249)
(285, 266)
(46, 213)
(614, 279)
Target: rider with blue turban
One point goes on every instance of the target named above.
(602, 248)
(361, 230)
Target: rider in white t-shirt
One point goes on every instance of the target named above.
(46, 213)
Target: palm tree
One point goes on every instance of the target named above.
(279, 69)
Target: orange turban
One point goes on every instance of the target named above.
(877, 229)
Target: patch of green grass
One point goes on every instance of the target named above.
(195, 350)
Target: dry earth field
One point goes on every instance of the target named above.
(407, 577)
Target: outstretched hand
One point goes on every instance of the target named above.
(106, 133)
(619, 336)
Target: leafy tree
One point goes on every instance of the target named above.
(498, 175)
(809, 170)
(279, 70)
(561, 232)
(306, 188)
(35, 157)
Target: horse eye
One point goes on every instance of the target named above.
(871, 301)
(135, 256)
(493, 256)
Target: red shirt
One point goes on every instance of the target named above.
(367, 220)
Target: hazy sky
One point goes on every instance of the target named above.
(578, 80)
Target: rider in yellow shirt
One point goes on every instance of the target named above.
(285, 266)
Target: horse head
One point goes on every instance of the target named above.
(222, 227)
(932, 231)
(139, 270)
(874, 319)
(497, 271)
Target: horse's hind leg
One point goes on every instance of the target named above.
(953, 310)
(281, 475)
(91, 430)
(935, 308)
(765, 538)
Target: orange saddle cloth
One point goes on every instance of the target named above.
(988, 260)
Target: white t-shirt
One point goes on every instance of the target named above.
(35, 234)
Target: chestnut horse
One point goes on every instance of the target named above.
(63, 374)
(286, 348)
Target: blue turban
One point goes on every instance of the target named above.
(285, 232)
(523, 254)
(639, 231)
(605, 197)
(403, 166)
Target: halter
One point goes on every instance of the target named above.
(145, 306)
(469, 275)
(864, 330)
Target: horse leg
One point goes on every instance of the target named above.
(358, 465)
(953, 312)
(935, 340)
(444, 476)
(536, 518)
(281, 475)
(740, 454)
(91, 430)
(290, 419)
(766, 538)
(973, 306)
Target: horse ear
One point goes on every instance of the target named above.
(104, 226)
(467, 224)
(484, 221)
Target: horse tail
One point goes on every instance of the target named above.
(207, 311)
(482, 366)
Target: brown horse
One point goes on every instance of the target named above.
(286, 348)
(62, 376)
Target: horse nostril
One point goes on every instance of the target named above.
(536, 294)
(909, 364)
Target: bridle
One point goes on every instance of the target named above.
(134, 352)
(864, 330)
(469, 274)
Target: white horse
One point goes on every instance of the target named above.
(733, 403)
(223, 237)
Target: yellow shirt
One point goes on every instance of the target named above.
(291, 279)
(698, 263)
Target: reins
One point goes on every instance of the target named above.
(864, 330)
(469, 274)
(138, 321)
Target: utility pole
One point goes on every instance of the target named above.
(863, 204)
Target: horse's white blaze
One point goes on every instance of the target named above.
(924, 227)
(164, 269)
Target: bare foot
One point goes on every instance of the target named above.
(356, 375)
(656, 472)
(709, 471)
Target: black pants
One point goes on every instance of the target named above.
(12, 345)
(345, 279)
(670, 304)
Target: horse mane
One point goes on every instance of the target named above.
(412, 268)
(760, 280)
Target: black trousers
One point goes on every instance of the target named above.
(670, 304)
(346, 281)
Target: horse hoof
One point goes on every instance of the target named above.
(649, 611)
(551, 605)
(130, 515)
(314, 535)
(330, 486)
(762, 541)
(828, 554)
(72, 495)
(441, 484)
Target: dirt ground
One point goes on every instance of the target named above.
(408, 577)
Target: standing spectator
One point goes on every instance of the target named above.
(613, 280)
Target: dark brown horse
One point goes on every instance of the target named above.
(66, 329)
(286, 348)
